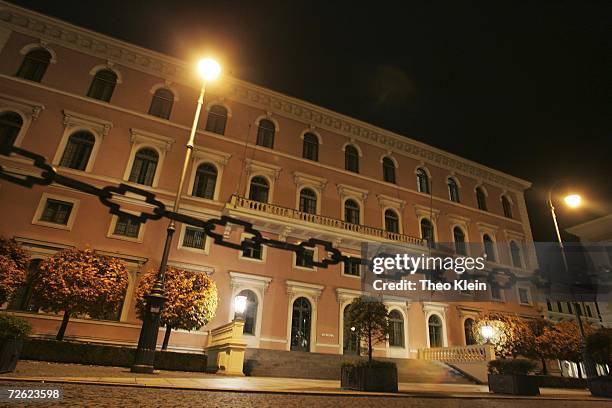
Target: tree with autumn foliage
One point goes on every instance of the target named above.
(80, 281)
(511, 334)
(191, 299)
(370, 318)
(14, 261)
(563, 341)
(599, 346)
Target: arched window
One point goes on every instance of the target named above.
(459, 237)
(468, 328)
(161, 104)
(350, 338)
(259, 189)
(453, 190)
(144, 166)
(265, 133)
(435, 331)
(78, 150)
(250, 313)
(388, 170)
(311, 147)
(351, 159)
(217, 119)
(103, 85)
(396, 329)
(489, 247)
(351, 212)
(10, 125)
(515, 252)
(391, 221)
(422, 181)
(34, 65)
(427, 231)
(481, 199)
(507, 207)
(205, 181)
(300, 324)
(308, 201)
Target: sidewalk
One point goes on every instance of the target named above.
(33, 371)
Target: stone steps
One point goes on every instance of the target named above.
(297, 364)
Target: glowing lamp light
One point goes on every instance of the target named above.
(209, 69)
(573, 200)
(240, 303)
(353, 328)
(487, 332)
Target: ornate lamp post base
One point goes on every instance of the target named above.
(147, 343)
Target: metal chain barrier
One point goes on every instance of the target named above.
(500, 277)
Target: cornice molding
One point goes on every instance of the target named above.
(56, 31)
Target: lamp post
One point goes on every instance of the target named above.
(487, 333)
(144, 361)
(240, 303)
(572, 201)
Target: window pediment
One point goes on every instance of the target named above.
(74, 120)
(164, 143)
(349, 191)
(215, 156)
(306, 180)
(257, 167)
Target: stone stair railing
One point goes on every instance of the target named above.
(473, 353)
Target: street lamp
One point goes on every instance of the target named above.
(144, 361)
(487, 333)
(240, 303)
(572, 201)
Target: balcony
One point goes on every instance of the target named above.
(319, 221)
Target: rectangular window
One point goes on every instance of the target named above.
(194, 238)
(252, 251)
(352, 267)
(569, 308)
(56, 212)
(127, 226)
(305, 260)
(523, 296)
(588, 311)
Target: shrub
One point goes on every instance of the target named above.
(599, 345)
(515, 366)
(14, 262)
(12, 326)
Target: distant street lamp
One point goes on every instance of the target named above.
(572, 201)
(144, 361)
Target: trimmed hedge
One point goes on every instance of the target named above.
(106, 355)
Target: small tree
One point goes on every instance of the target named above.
(599, 346)
(538, 344)
(511, 334)
(568, 341)
(14, 261)
(80, 282)
(370, 318)
(192, 300)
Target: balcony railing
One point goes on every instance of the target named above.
(290, 213)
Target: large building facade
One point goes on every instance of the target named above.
(106, 112)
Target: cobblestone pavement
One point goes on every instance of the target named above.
(81, 395)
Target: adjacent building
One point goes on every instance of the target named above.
(106, 112)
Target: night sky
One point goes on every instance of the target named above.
(521, 86)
